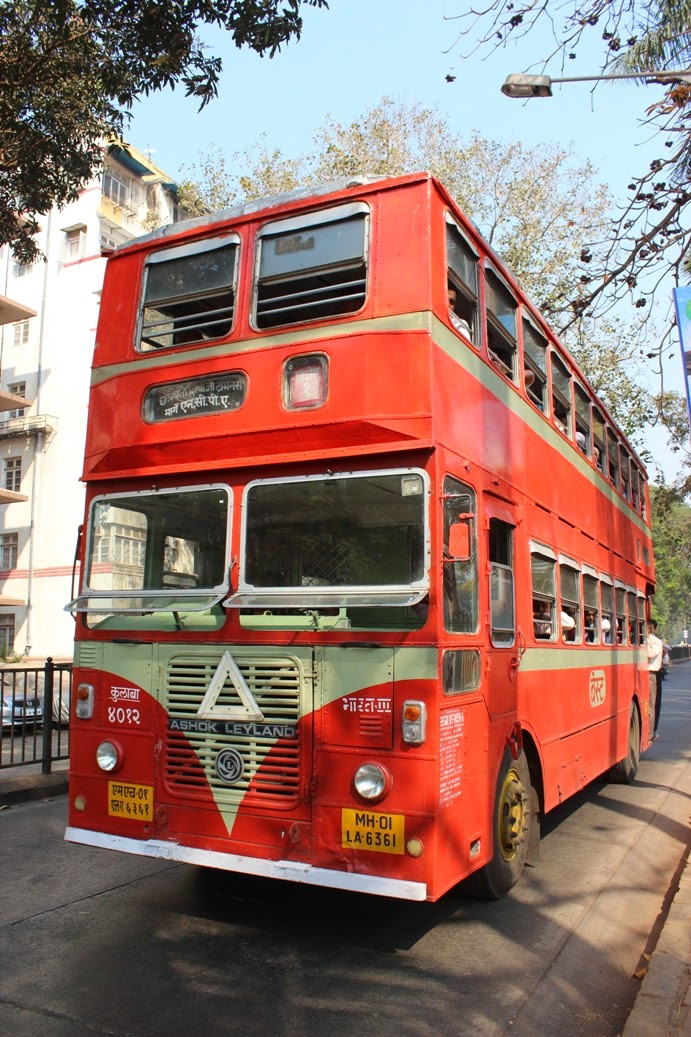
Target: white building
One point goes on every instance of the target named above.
(47, 338)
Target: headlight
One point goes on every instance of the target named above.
(107, 756)
(371, 781)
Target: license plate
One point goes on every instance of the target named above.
(132, 801)
(367, 830)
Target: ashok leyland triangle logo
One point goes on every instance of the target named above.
(228, 670)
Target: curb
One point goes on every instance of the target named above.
(663, 1004)
(31, 787)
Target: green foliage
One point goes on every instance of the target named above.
(71, 70)
(672, 546)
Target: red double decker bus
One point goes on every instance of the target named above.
(365, 564)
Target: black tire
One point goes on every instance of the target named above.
(512, 821)
(625, 771)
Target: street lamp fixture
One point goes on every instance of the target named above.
(518, 85)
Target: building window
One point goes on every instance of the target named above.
(117, 188)
(21, 333)
(13, 473)
(17, 389)
(9, 543)
(6, 632)
(75, 244)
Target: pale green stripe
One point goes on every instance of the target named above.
(419, 321)
(534, 659)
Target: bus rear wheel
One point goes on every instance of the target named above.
(626, 770)
(512, 822)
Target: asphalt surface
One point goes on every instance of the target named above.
(663, 1004)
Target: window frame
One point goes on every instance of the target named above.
(468, 295)
(313, 219)
(502, 344)
(544, 596)
(560, 401)
(178, 252)
(531, 362)
(571, 606)
(471, 563)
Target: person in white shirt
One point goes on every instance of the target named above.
(458, 322)
(656, 650)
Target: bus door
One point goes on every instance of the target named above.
(238, 734)
(502, 634)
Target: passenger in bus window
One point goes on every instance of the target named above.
(542, 620)
(568, 624)
(589, 626)
(459, 323)
(606, 631)
(581, 442)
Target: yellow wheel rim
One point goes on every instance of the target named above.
(512, 818)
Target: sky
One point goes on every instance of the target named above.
(358, 51)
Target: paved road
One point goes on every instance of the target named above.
(93, 942)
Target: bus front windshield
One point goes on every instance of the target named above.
(157, 551)
(357, 539)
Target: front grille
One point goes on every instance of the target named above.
(269, 749)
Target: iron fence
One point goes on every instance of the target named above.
(35, 714)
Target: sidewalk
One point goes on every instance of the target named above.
(663, 1004)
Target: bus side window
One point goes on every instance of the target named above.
(598, 440)
(607, 593)
(462, 281)
(460, 575)
(624, 472)
(635, 494)
(633, 626)
(501, 325)
(535, 365)
(641, 619)
(543, 583)
(583, 437)
(503, 627)
(561, 395)
(570, 618)
(620, 599)
(591, 611)
(612, 458)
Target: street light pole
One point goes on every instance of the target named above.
(519, 85)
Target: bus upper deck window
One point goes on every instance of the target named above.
(624, 473)
(612, 458)
(462, 277)
(189, 294)
(582, 420)
(535, 365)
(561, 395)
(501, 325)
(598, 439)
(312, 267)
